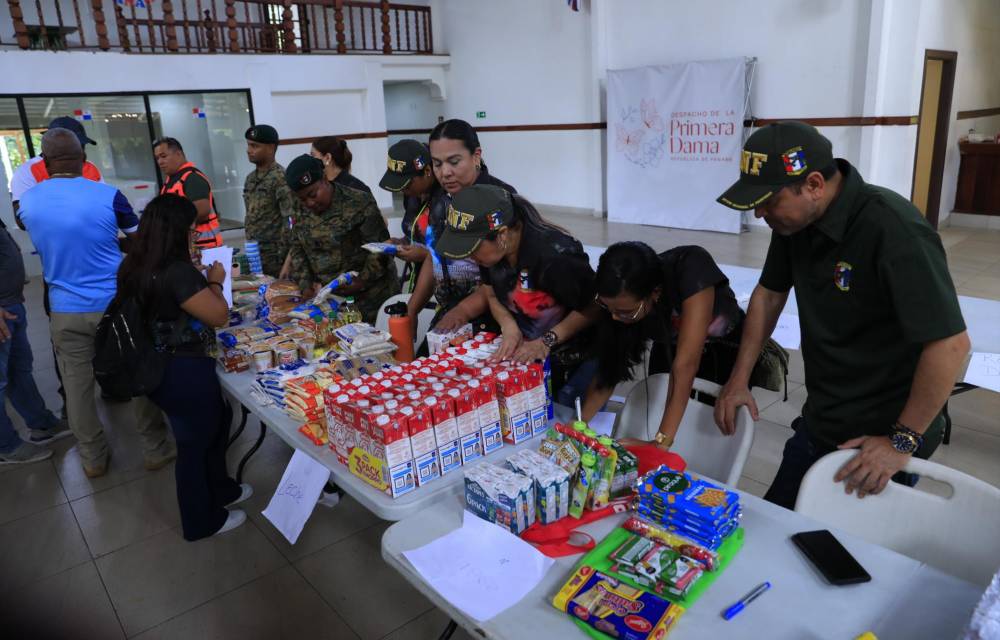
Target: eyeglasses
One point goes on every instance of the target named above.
(622, 315)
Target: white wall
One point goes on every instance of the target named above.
(526, 62)
(969, 27)
(411, 105)
(301, 95)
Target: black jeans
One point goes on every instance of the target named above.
(192, 399)
(800, 453)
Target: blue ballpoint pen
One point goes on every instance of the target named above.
(745, 600)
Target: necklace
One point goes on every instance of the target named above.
(64, 175)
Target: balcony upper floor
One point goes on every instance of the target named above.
(217, 26)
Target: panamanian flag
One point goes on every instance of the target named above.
(139, 4)
(82, 115)
(795, 161)
(198, 112)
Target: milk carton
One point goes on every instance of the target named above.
(426, 458)
(336, 423)
(488, 409)
(537, 398)
(445, 432)
(467, 419)
(515, 420)
(391, 447)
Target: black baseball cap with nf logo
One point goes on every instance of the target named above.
(774, 156)
(474, 213)
(407, 160)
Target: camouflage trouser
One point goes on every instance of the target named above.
(372, 299)
(272, 257)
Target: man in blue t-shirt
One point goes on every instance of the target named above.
(74, 223)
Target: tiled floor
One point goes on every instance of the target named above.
(105, 559)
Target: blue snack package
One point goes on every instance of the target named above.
(687, 493)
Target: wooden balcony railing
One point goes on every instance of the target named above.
(220, 26)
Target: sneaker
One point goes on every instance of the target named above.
(25, 453)
(245, 492)
(97, 469)
(235, 519)
(329, 499)
(58, 432)
(152, 464)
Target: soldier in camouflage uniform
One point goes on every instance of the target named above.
(326, 240)
(270, 204)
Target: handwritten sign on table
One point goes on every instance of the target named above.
(479, 567)
(296, 496)
(984, 371)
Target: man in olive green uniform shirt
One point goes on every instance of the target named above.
(270, 204)
(328, 235)
(882, 333)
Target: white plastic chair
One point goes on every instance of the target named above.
(423, 318)
(959, 535)
(705, 449)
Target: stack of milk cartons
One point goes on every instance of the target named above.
(500, 496)
(551, 483)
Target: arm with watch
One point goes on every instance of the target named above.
(881, 457)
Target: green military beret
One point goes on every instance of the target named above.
(263, 133)
(304, 171)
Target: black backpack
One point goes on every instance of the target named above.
(126, 362)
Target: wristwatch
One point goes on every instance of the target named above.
(905, 440)
(550, 339)
(661, 439)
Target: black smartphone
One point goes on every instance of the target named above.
(826, 553)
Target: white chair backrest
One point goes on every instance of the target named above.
(960, 534)
(423, 318)
(705, 449)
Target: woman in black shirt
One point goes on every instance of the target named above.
(680, 300)
(535, 277)
(337, 160)
(457, 160)
(183, 306)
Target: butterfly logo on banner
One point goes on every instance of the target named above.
(640, 135)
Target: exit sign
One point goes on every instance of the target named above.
(480, 114)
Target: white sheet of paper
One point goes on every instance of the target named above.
(984, 371)
(480, 568)
(602, 422)
(296, 495)
(224, 256)
(786, 332)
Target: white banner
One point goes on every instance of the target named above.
(674, 140)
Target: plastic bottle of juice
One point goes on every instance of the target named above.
(581, 488)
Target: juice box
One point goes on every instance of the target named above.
(500, 496)
(551, 484)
